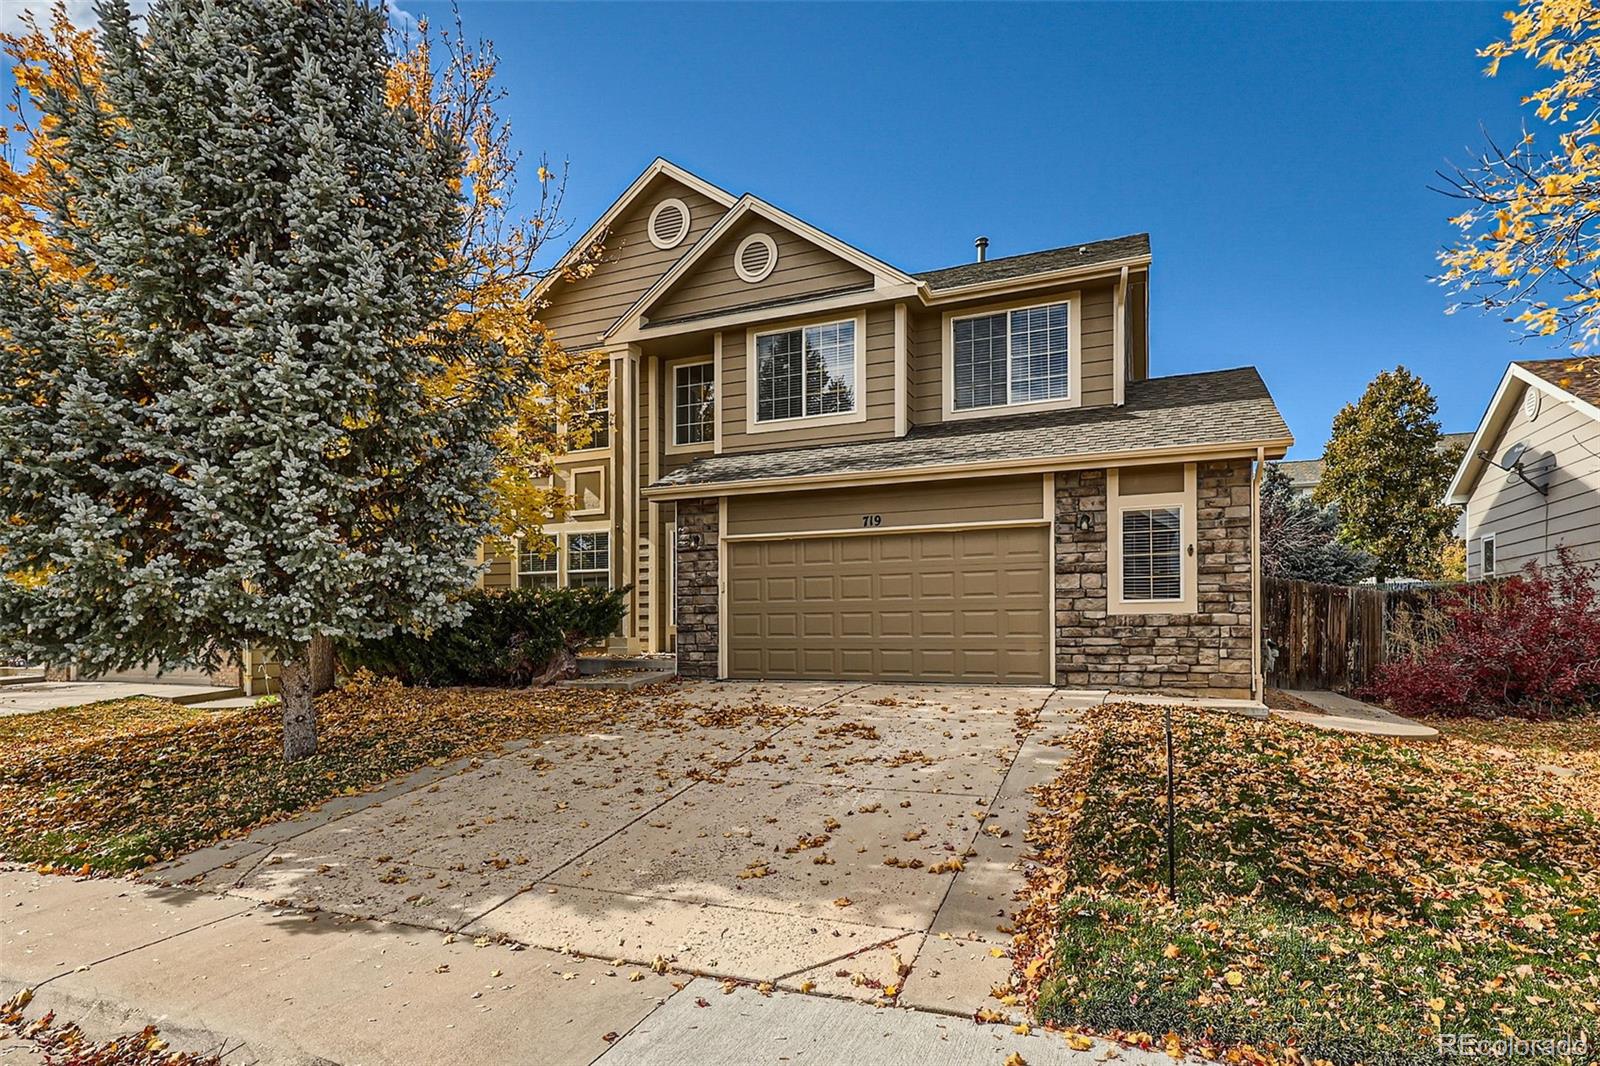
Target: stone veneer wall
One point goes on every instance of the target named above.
(698, 624)
(1207, 652)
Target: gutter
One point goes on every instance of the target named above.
(1139, 457)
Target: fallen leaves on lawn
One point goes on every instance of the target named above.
(122, 784)
(1340, 897)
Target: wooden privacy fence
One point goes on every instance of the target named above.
(1332, 636)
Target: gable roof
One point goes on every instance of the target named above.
(1070, 257)
(657, 168)
(1578, 376)
(1164, 416)
(749, 204)
(1576, 381)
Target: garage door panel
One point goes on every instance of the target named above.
(948, 606)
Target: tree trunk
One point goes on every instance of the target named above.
(322, 663)
(562, 665)
(299, 715)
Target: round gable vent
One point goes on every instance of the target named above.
(755, 258)
(669, 223)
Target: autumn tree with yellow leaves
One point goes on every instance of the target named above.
(1528, 242)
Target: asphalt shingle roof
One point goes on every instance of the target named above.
(1579, 375)
(1018, 266)
(1200, 410)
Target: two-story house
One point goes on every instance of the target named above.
(821, 466)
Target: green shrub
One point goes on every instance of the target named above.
(507, 637)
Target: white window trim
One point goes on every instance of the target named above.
(571, 474)
(772, 258)
(611, 555)
(611, 419)
(688, 223)
(1487, 538)
(1074, 396)
(1185, 502)
(671, 419)
(753, 389)
(516, 562)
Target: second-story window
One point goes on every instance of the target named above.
(1011, 357)
(693, 404)
(807, 371)
(592, 418)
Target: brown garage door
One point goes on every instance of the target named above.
(960, 606)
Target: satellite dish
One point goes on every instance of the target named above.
(1513, 456)
(1511, 463)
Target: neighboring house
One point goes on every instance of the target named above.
(1552, 408)
(821, 466)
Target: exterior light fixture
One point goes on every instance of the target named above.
(1085, 522)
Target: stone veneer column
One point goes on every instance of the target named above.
(699, 624)
(1205, 653)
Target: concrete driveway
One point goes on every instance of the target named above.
(587, 899)
(851, 839)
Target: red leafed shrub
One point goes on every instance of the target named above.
(1528, 645)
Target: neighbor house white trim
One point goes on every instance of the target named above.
(1495, 417)
(858, 413)
(1184, 501)
(1074, 396)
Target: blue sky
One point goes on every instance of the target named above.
(1279, 155)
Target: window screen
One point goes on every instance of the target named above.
(1152, 554)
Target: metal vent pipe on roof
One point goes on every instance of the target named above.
(982, 244)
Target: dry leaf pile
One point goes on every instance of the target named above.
(1340, 898)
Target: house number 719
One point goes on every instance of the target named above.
(872, 520)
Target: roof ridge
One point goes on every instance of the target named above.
(1039, 251)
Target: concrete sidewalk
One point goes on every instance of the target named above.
(51, 695)
(256, 984)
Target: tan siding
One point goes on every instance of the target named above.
(712, 285)
(499, 574)
(879, 393)
(1096, 351)
(1528, 527)
(995, 499)
(581, 310)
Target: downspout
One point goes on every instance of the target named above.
(1258, 683)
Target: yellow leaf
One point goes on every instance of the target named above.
(1234, 978)
(1171, 951)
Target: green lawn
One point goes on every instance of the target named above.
(115, 786)
(1339, 899)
